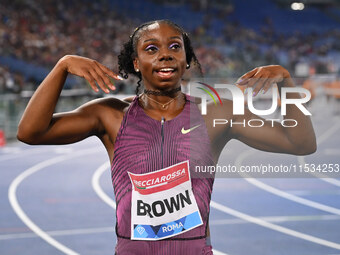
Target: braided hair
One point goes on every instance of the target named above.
(129, 51)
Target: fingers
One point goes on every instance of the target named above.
(91, 81)
(253, 79)
(101, 75)
(94, 79)
(261, 86)
(256, 84)
(245, 78)
(104, 76)
(108, 72)
(96, 74)
(261, 79)
(99, 78)
(267, 84)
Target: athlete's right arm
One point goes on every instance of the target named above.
(39, 125)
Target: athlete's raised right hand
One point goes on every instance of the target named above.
(91, 70)
(41, 125)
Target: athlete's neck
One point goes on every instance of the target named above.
(163, 103)
(169, 93)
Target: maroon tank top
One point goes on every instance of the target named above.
(143, 145)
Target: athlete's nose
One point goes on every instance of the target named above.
(165, 55)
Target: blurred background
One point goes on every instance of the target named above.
(264, 216)
(230, 37)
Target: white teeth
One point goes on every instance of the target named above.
(166, 70)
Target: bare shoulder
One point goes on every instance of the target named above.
(112, 104)
(109, 112)
(214, 110)
(128, 99)
(217, 120)
(219, 110)
(218, 113)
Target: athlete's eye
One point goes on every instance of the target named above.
(175, 46)
(151, 48)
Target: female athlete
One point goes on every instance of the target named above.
(155, 139)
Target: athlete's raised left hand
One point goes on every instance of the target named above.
(262, 78)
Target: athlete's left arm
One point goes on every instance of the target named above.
(273, 136)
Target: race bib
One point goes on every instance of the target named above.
(163, 204)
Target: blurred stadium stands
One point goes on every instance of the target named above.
(230, 37)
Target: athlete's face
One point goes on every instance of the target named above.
(160, 56)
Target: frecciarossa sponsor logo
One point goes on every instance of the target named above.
(160, 180)
(163, 203)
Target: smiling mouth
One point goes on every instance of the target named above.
(165, 72)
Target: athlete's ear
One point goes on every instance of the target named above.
(136, 65)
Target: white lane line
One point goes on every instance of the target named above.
(276, 219)
(11, 150)
(82, 231)
(310, 193)
(322, 177)
(278, 228)
(275, 191)
(238, 163)
(332, 152)
(62, 150)
(100, 192)
(292, 197)
(331, 131)
(22, 154)
(19, 211)
(96, 186)
(216, 252)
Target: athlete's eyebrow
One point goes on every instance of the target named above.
(176, 37)
(155, 40)
(152, 39)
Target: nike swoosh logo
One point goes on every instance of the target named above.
(185, 131)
